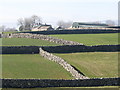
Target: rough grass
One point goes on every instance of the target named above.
(70, 88)
(91, 39)
(30, 67)
(15, 32)
(25, 42)
(9, 32)
(94, 64)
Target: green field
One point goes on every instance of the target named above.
(31, 66)
(94, 64)
(25, 42)
(69, 88)
(91, 39)
(9, 32)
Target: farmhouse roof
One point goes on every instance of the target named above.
(44, 26)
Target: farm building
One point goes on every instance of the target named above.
(94, 25)
(59, 28)
(43, 28)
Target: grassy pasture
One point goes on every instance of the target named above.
(15, 32)
(31, 66)
(69, 88)
(9, 32)
(25, 42)
(94, 64)
(91, 39)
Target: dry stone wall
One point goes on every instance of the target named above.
(19, 49)
(81, 81)
(35, 83)
(75, 31)
(63, 63)
(58, 49)
(81, 48)
(41, 37)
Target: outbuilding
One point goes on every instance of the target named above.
(43, 28)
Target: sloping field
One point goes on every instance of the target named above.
(26, 42)
(31, 66)
(91, 39)
(94, 64)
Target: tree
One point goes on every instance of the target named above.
(29, 23)
(36, 20)
(68, 24)
(63, 24)
(21, 21)
(2, 28)
(10, 29)
(21, 24)
(21, 28)
(110, 22)
(60, 23)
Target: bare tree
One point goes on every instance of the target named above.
(36, 20)
(63, 24)
(10, 29)
(2, 28)
(60, 23)
(21, 24)
(20, 21)
(29, 23)
(96, 22)
(68, 24)
(110, 22)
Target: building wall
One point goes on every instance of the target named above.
(35, 29)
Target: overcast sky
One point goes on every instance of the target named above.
(53, 10)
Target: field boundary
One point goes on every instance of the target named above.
(35, 83)
(76, 31)
(81, 48)
(58, 49)
(63, 63)
(41, 37)
(45, 51)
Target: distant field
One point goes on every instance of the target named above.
(26, 42)
(94, 64)
(31, 66)
(9, 32)
(91, 39)
(15, 32)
